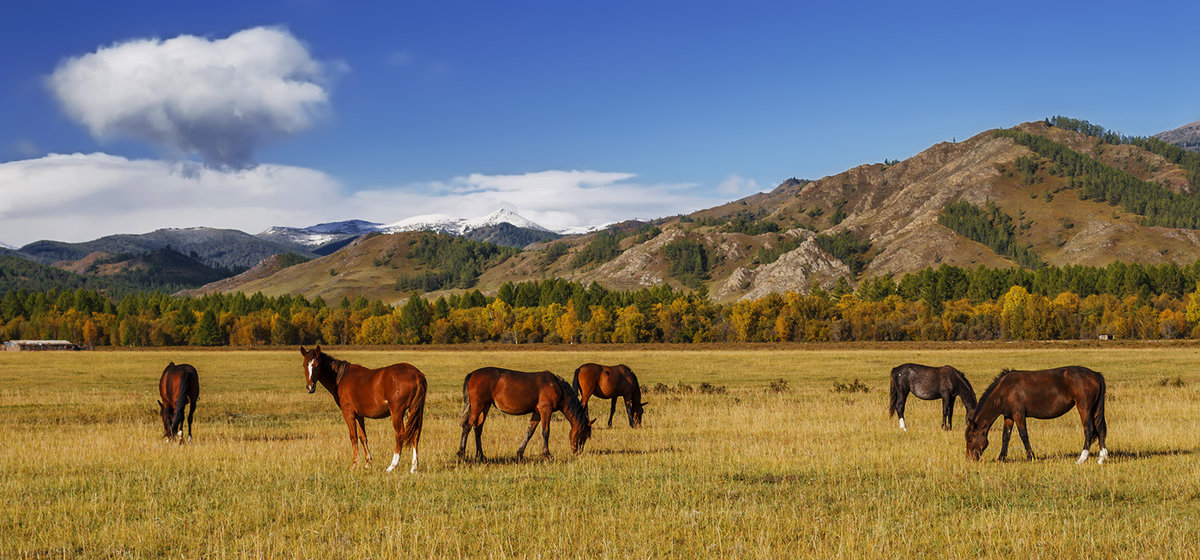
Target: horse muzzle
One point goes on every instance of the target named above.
(312, 388)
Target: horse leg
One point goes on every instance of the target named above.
(612, 410)
(1101, 433)
(1008, 425)
(362, 429)
(948, 412)
(191, 413)
(1024, 436)
(546, 431)
(349, 416)
(479, 436)
(587, 395)
(467, 421)
(901, 401)
(1089, 433)
(533, 422)
(398, 426)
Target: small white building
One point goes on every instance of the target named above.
(19, 345)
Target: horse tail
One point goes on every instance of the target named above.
(416, 414)
(466, 413)
(1098, 421)
(185, 382)
(575, 381)
(893, 393)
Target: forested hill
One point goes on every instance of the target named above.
(1058, 191)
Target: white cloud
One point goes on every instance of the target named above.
(735, 184)
(78, 197)
(218, 98)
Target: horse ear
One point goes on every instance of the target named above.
(318, 348)
(171, 364)
(302, 351)
(592, 422)
(161, 406)
(644, 403)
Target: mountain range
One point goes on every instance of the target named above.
(1058, 191)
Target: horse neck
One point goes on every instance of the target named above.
(572, 409)
(985, 414)
(966, 393)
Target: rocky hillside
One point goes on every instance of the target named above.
(1037, 193)
(1186, 136)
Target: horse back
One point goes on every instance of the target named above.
(1049, 393)
(173, 377)
(512, 391)
(371, 392)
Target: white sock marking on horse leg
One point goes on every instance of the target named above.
(395, 459)
(902, 425)
(1082, 457)
(414, 464)
(1103, 456)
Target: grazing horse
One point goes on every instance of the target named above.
(520, 392)
(396, 390)
(929, 383)
(1048, 393)
(178, 386)
(610, 382)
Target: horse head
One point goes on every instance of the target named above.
(580, 432)
(977, 439)
(312, 367)
(634, 410)
(166, 419)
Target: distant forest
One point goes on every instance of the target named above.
(943, 303)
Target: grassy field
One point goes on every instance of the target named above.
(748, 473)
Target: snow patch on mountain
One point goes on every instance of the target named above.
(444, 223)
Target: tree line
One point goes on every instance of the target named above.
(943, 303)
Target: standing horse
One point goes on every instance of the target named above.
(1048, 393)
(520, 392)
(361, 392)
(929, 383)
(178, 386)
(610, 382)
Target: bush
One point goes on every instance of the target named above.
(855, 386)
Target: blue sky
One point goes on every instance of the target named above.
(662, 107)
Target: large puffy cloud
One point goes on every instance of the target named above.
(218, 98)
(77, 197)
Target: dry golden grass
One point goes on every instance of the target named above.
(749, 473)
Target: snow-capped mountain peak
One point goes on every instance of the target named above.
(4, 245)
(444, 223)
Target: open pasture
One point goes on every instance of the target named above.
(751, 472)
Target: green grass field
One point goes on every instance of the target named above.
(749, 473)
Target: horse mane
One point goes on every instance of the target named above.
(338, 367)
(988, 392)
(572, 408)
(970, 392)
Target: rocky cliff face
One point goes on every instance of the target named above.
(1186, 136)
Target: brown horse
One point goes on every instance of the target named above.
(396, 390)
(178, 386)
(1048, 393)
(929, 383)
(520, 392)
(610, 382)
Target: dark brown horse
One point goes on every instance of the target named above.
(178, 386)
(610, 382)
(538, 393)
(397, 390)
(1048, 393)
(929, 383)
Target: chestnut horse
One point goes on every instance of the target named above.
(929, 383)
(396, 390)
(520, 392)
(610, 382)
(1048, 393)
(178, 386)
